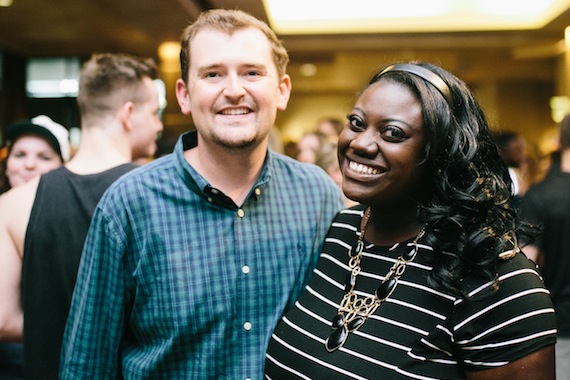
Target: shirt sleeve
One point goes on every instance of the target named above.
(96, 320)
(498, 323)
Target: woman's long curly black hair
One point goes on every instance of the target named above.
(469, 207)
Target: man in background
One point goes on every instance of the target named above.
(547, 204)
(44, 222)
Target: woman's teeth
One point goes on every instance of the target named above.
(362, 169)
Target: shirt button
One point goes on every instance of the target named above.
(245, 269)
(240, 213)
(257, 192)
(210, 199)
(214, 191)
(247, 326)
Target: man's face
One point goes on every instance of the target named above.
(146, 123)
(233, 90)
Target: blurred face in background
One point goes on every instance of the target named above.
(145, 123)
(30, 156)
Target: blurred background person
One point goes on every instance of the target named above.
(547, 204)
(43, 223)
(327, 159)
(330, 127)
(308, 146)
(512, 148)
(34, 147)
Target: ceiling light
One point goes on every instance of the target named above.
(169, 50)
(368, 16)
(308, 69)
(6, 3)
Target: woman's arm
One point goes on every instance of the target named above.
(537, 366)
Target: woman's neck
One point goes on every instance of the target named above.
(387, 228)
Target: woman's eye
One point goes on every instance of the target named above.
(393, 133)
(355, 123)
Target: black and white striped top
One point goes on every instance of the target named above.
(419, 332)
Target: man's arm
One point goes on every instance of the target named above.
(15, 208)
(91, 342)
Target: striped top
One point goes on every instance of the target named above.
(418, 332)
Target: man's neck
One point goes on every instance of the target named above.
(232, 172)
(98, 151)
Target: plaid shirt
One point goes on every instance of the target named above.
(176, 281)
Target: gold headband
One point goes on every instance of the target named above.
(427, 75)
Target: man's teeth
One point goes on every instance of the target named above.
(362, 169)
(234, 111)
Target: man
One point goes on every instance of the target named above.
(547, 204)
(43, 224)
(512, 149)
(191, 260)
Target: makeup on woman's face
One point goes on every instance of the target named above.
(381, 148)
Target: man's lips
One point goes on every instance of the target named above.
(235, 111)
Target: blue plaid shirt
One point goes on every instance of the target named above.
(177, 282)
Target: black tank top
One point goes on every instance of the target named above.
(58, 225)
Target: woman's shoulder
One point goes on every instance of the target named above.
(516, 278)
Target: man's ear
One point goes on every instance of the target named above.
(183, 97)
(284, 92)
(125, 112)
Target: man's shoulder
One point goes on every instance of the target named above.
(142, 172)
(290, 166)
(553, 184)
(133, 180)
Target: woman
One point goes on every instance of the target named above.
(423, 280)
(35, 147)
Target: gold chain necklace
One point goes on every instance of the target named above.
(354, 311)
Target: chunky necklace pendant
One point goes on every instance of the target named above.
(354, 311)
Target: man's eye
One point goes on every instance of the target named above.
(211, 75)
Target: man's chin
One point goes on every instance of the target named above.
(238, 143)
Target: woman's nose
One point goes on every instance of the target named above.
(365, 143)
(30, 162)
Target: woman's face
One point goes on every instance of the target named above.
(380, 149)
(29, 157)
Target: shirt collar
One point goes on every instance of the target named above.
(198, 183)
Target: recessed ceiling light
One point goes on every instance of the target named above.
(368, 16)
(308, 69)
